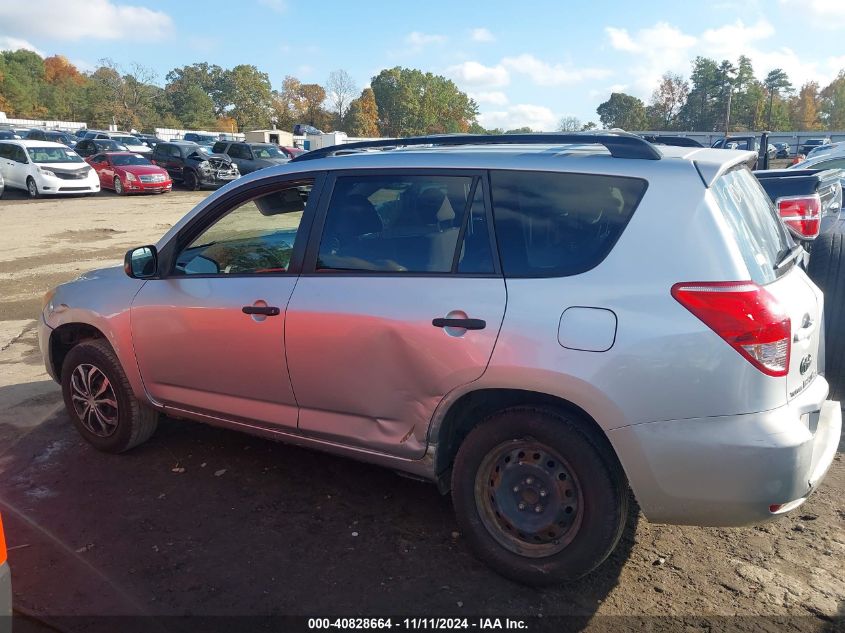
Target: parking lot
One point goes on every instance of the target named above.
(210, 522)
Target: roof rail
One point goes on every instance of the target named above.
(619, 144)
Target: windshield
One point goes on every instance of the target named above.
(759, 232)
(53, 155)
(129, 159)
(107, 145)
(127, 140)
(267, 151)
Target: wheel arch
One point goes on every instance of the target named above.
(468, 410)
(66, 337)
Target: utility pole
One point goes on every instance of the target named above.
(728, 113)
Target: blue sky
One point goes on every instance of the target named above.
(526, 63)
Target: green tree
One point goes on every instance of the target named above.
(700, 112)
(411, 102)
(776, 82)
(192, 105)
(832, 107)
(622, 111)
(248, 91)
(22, 86)
(209, 77)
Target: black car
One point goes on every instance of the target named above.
(812, 143)
(190, 164)
(250, 157)
(150, 140)
(90, 146)
(782, 150)
(301, 129)
(8, 135)
(54, 136)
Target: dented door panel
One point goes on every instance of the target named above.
(367, 365)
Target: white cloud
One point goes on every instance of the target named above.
(663, 47)
(826, 14)
(14, 43)
(545, 74)
(493, 97)
(482, 35)
(415, 38)
(539, 118)
(76, 19)
(279, 6)
(478, 75)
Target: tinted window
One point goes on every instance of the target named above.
(759, 232)
(175, 151)
(5, 150)
(239, 151)
(394, 223)
(19, 155)
(838, 163)
(256, 237)
(553, 224)
(219, 148)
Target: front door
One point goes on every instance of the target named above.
(400, 302)
(209, 335)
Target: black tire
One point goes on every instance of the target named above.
(32, 188)
(134, 422)
(191, 180)
(827, 270)
(600, 495)
(118, 187)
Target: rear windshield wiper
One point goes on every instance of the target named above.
(787, 255)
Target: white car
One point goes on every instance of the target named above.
(45, 168)
(2, 184)
(132, 143)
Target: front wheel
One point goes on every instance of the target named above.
(192, 181)
(539, 498)
(118, 186)
(32, 188)
(100, 401)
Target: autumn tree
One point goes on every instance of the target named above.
(832, 107)
(622, 111)
(362, 117)
(803, 108)
(666, 102)
(64, 94)
(247, 91)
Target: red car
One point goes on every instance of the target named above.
(126, 172)
(291, 152)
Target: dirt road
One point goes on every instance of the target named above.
(253, 527)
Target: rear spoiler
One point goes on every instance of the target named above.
(710, 172)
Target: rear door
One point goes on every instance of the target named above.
(765, 244)
(400, 302)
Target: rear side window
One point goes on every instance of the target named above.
(759, 232)
(555, 224)
(219, 147)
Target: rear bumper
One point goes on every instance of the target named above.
(731, 470)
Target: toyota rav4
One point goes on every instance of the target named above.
(538, 324)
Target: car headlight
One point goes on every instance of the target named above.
(46, 172)
(47, 300)
(130, 177)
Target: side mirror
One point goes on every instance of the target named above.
(141, 262)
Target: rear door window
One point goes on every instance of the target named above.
(406, 223)
(759, 232)
(558, 224)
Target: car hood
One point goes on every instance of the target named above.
(139, 148)
(139, 170)
(65, 168)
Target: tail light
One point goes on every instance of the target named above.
(802, 215)
(2, 544)
(746, 316)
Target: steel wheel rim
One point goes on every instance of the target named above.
(529, 498)
(94, 400)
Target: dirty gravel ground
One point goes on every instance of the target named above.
(255, 527)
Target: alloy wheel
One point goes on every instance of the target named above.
(94, 400)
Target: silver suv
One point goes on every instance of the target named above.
(535, 323)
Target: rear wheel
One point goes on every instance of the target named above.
(100, 401)
(118, 186)
(192, 181)
(827, 270)
(32, 188)
(539, 498)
